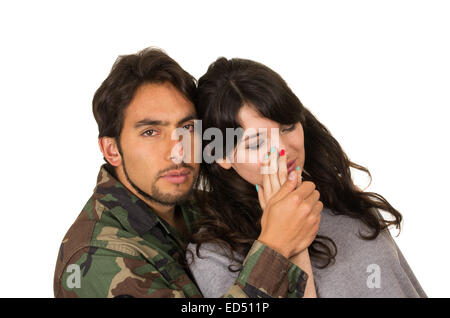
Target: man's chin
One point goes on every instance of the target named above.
(170, 198)
(172, 194)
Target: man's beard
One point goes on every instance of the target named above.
(156, 195)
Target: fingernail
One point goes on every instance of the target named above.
(297, 168)
(292, 175)
(266, 156)
(282, 153)
(272, 149)
(257, 188)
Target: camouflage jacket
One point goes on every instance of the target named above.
(118, 246)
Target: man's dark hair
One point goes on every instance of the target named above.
(150, 65)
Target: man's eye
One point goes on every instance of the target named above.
(149, 132)
(288, 129)
(189, 127)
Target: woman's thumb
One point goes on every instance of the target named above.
(287, 187)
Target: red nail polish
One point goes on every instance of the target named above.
(282, 153)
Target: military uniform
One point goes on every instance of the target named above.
(118, 246)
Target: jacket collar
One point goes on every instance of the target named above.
(133, 213)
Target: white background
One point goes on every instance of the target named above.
(376, 73)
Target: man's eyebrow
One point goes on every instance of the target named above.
(153, 122)
(150, 122)
(188, 117)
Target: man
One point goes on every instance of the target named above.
(129, 239)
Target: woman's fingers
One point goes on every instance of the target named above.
(300, 172)
(267, 187)
(261, 198)
(274, 181)
(282, 167)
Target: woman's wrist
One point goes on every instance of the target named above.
(302, 259)
(275, 248)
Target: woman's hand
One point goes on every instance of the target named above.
(276, 165)
(291, 209)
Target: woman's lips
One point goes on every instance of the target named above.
(291, 166)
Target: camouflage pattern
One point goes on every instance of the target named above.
(122, 248)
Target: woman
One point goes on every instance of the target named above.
(353, 254)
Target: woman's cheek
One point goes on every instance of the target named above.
(249, 172)
(256, 173)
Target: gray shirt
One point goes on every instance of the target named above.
(363, 268)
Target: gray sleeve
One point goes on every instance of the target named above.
(211, 270)
(408, 271)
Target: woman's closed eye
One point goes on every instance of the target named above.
(288, 129)
(260, 142)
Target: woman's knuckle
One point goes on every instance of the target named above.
(295, 198)
(316, 194)
(320, 205)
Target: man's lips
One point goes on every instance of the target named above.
(176, 176)
(179, 172)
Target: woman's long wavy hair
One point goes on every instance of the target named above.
(230, 208)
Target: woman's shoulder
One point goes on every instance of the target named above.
(332, 221)
(340, 226)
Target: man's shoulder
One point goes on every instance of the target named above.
(79, 235)
(93, 224)
(97, 238)
(80, 232)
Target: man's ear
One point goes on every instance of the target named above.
(108, 147)
(224, 163)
